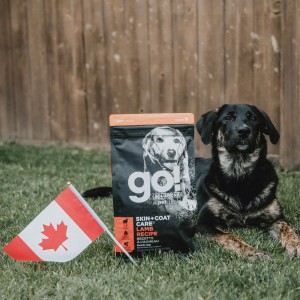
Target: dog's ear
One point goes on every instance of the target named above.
(148, 149)
(268, 127)
(146, 141)
(204, 126)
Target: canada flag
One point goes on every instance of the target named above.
(59, 233)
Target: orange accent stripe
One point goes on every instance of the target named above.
(68, 201)
(18, 250)
(151, 119)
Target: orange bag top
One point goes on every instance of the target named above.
(150, 119)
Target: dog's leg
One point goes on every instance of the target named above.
(232, 242)
(284, 233)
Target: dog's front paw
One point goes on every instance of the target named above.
(284, 233)
(293, 249)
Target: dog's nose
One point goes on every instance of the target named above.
(244, 131)
(171, 153)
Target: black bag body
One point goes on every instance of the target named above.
(153, 181)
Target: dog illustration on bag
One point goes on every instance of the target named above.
(165, 149)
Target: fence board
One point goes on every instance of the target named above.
(185, 52)
(74, 58)
(21, 70)
(55, 70)
(294, 135)
(95, 71)
(160, 44)
(129, 58)
(290, 106)
(7, 104)
(238, 51)
(135, 58)
(141, 45)
(38, 69)
(211, 59)
(118, 86)
(266, 52)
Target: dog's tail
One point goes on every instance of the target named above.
(99, 192)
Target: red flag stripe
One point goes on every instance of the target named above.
(68, 201)
(18, 250)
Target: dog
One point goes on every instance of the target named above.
(237, 186)
(165, 149)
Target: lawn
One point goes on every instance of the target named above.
(31, 177)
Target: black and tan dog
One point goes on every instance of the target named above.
(237, 187)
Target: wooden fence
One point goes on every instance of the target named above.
(67, 64)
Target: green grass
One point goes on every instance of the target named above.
(31, 177)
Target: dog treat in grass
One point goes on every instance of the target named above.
(153, 176)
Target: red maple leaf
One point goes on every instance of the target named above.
(55, 237)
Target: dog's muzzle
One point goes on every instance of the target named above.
(240, 140)
(244, 132)
(244, 140)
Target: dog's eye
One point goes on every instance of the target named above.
(228, 118)
(176, 141)
(251, 117)
(159, 140)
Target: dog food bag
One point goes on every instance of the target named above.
(153, 182)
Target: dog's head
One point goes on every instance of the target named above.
(164, 144)
(236, 127)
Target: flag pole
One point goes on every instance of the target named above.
(101, 222)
